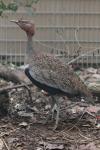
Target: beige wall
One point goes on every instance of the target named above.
(50, 15)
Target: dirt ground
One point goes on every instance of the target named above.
(23, 129)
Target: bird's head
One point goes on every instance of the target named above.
(26, 25)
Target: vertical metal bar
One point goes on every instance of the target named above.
(87, 33)
(77, 32)
(87, 61)
(55, 21)
(24, 54)
(1, 41)
(92, 24)
(15, 43)
(74, 24)
(96, 53)
(20, 57)
(9, 44)
(6, 60)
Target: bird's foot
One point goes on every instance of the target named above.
(49, 118)
(51, 115)
(55, 127)
(46, 122)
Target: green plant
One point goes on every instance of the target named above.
(13, 5)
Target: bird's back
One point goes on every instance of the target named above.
(52, 72)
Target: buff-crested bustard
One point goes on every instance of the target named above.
(50, 74)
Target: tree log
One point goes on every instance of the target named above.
(14, 75)
(17, 77)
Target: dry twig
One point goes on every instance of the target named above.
(14, 87)
(5, 143)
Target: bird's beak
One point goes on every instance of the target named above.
(15, 21)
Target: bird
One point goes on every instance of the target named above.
(50, 74)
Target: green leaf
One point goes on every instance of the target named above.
(31, 2)
(12, 6)
(35, 1)
(2, 5)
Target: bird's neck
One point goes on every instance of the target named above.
(30, 51)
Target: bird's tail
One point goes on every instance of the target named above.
(83, 89)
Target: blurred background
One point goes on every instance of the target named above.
(66, 28)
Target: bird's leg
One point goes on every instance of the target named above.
(57, 116)
(53, 110)
(53, 102)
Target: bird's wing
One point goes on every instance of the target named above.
(50, 78)
(54, 73)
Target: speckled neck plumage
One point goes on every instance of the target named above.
(30, 51)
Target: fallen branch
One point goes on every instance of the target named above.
(5, 143)
(8, 74)
(14, 87)
(15, 75)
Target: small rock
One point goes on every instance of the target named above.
(52, 146)
(82, 99)
(25, 114)
(97, 76)
(47, 107)
(38, 100)
(98, 126)
(39, 148)
(93, 109)
(23, 124)
(77, 109)
(11, 99)
(35, 109)
(19, 107)
(44, 92)
(91, 70)
(94, 87)
(20, 89)
(91, 80)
